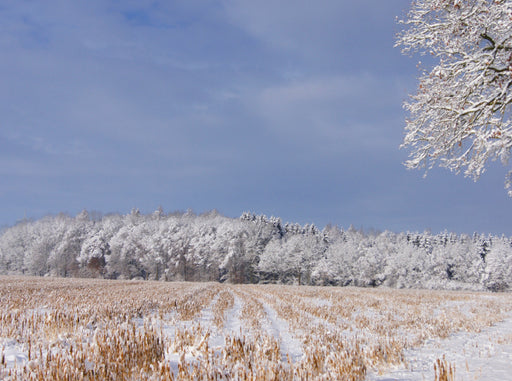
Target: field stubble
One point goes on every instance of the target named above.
(84, 329)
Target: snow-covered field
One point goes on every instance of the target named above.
(96, 329)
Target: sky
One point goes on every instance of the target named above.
(285, 108)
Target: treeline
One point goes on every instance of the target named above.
(252, 249)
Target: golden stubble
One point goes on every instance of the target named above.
(89, 329)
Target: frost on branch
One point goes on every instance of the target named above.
(460, 116)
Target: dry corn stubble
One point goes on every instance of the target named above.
(443, 370)
(86, 329)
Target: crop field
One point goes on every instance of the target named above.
(87, 329)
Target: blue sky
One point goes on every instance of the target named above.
(287, 108)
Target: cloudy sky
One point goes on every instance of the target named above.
(287, 108)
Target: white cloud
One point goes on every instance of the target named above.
(286, 24)
(317, 30)
(340, 112)
(311, 91)
(25, 167)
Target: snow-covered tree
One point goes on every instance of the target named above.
(498, 273)
(460, 116)
(70, 234)
(212, 247)
(93, 254)
(273, 264)
(341, 257)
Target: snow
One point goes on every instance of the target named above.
(290, 346)
(477, 356)
(305, 322)
(232, 320)
(212, 247)
(460, 116)
(13, 353)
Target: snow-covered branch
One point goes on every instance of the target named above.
(460, 116)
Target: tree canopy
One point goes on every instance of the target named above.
(251, 249)
(460, 116)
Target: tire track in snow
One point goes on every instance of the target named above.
(206, 316)
(279, 328)
(232, 320)
(232, 323)
(273, 325)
